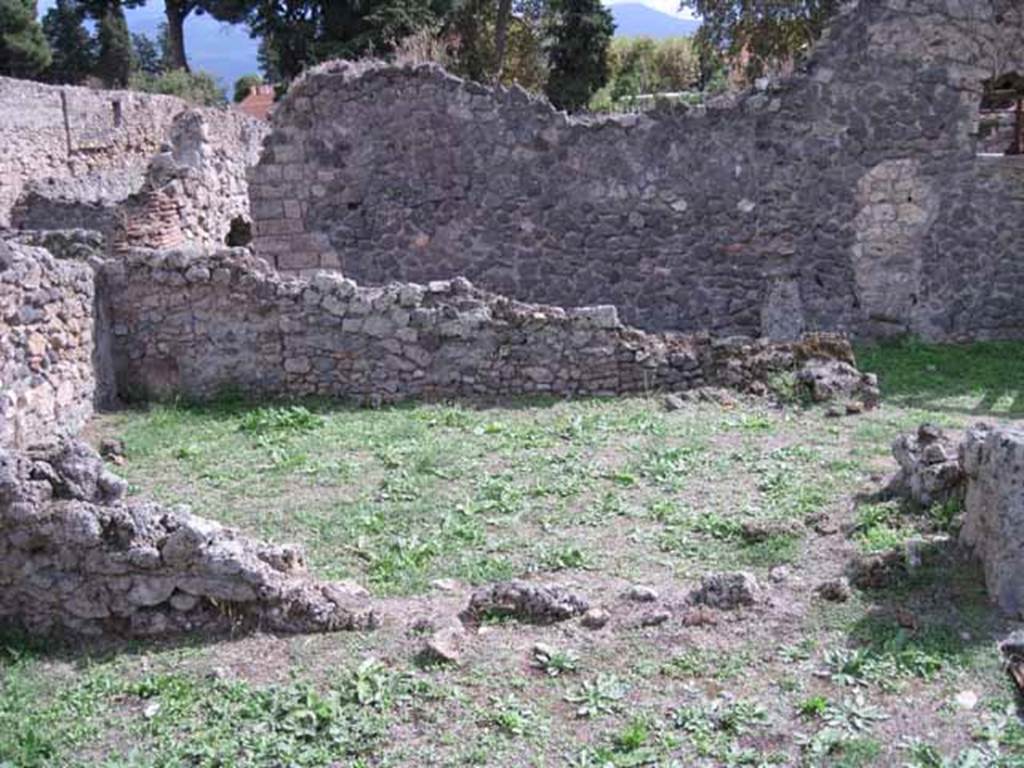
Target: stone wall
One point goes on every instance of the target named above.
(992, 459)
(197, 325)
(847, 197)
(194, 191)
(46, 345)
(983, 471)
(75, 558)
(103, 138)
(73, 158)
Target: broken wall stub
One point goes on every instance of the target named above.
(196, 325)
(847, 197)
(77, 158)
(76, 558)
(47, 378)
(196, 188)
(993, 463)
(984, 471)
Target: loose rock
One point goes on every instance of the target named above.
(595, 618)
(534, 603)
(727, 591)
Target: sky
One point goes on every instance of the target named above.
(228, 52)
(670, 7)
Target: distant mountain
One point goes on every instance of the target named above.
(636, 20)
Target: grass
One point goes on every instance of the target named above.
(597, 494)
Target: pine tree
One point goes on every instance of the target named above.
(74, 50)
(114, 66)
(580, 32)
(23, 48)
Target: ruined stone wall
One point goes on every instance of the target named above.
(847, 197)
(76, 558)
(193, 191)
(77, 158)
(197, 325)
(46, 345)
(102, 138)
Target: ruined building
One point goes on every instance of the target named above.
(603, 256)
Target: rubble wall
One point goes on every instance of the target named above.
(76, 558)
(47, 379)
(849, 197)
(198, 325)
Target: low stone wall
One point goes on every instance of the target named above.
(76, 559)
(46, 345)
(195, 325)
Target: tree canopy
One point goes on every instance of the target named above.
(580, 32)
(24, 51)
(74, 49)
(760, 33)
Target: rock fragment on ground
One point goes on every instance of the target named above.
(445, 646)
(638, 593)
(835, 590)
(525, 601)
(595, 618)
(930, 471)
(831, 380)
(727, 591)
(877, 570)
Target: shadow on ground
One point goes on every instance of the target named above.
(982, 379)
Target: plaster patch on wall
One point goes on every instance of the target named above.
(895, 206)
(782, 317)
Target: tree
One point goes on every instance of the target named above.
(74, 49)
(244, 86)
(580, 32)
(761, 33)
(633, 67)
(23, 48)
(299, 33)
(114, 65)
(177, 11)
(148, 56)
(677, 65)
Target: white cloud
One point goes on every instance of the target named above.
(670, 7)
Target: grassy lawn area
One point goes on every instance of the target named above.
(597, 495)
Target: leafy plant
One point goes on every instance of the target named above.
(280, 419)
(602, 695)
(555, 662)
